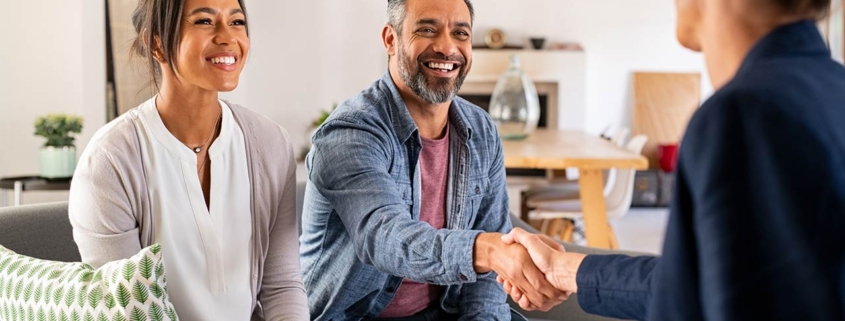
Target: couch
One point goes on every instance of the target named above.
(44, 231)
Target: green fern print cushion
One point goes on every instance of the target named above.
(126, 290)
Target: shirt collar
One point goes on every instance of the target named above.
(796, 39)
(403, 123)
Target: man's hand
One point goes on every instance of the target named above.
(513, 263)
(560, 268)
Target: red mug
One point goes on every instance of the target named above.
(667, 156)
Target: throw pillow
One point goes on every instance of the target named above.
(133, 289)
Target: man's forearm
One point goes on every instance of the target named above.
(485, 244)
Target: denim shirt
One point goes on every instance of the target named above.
(361, 233)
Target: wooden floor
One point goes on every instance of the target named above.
(642, 230)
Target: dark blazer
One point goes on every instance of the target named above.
(757, 226)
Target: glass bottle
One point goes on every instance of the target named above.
(514, 105)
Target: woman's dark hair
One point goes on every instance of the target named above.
(159, 20)
(811, 8)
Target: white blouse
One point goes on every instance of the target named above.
(206, 250)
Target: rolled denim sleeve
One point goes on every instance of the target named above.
(349, 165)
(485, 299)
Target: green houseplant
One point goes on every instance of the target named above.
(315, 124)
(58, 155)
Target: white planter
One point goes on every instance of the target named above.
(57, 162)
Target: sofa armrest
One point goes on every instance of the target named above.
(42, 231)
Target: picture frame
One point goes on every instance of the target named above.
(129, 82)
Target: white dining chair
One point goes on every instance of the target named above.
(558, 214)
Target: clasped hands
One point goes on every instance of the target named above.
(533, 269)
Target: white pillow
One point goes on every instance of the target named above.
(133, 289)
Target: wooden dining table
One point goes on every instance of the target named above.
(559, 150)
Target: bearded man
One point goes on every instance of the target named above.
(406, 198)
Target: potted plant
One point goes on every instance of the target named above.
(324, 115)
(58, 156)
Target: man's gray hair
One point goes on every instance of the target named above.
(396, 10)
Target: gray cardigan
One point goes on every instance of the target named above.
(109, 207)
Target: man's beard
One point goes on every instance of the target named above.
(434, 90)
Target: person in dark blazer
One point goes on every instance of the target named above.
(757, 224)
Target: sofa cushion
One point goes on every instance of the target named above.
(130, 289)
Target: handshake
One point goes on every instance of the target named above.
(534, 270)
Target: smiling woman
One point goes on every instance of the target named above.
(231, 247)
(197, 28)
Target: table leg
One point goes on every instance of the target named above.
(18, 193)
(5, 195)
(595, 209)
(523, 207)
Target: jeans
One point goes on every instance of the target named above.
(434, 313)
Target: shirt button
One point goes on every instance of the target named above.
(463, 278)
(477, 190)
(255, 276)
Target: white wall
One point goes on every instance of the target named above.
(619, 37)
(307, 55)
(53, 61)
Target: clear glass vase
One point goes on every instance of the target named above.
(515, 106)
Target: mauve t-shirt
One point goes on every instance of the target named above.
(413, 297)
